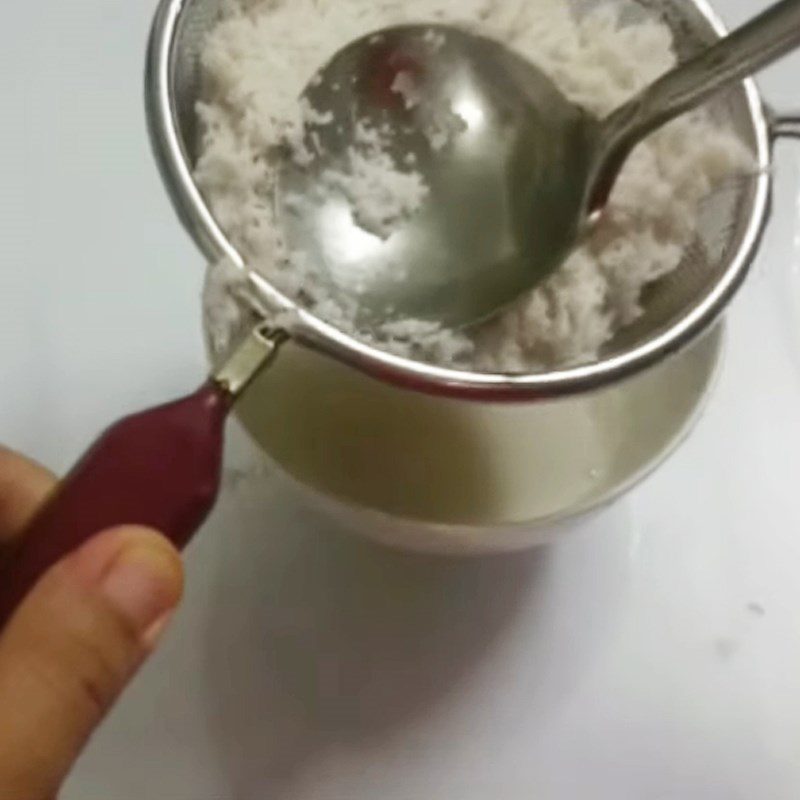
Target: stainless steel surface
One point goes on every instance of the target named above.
(503, 155)
(252, 355)
(769, 36)
(678, 308)
(511, 182)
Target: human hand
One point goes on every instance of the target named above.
(77, 639)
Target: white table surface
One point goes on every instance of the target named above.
(654, 657)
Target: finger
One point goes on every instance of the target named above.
(72, 647)
(24, 486)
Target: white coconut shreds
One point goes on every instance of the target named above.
(380, 194)
(256, 63)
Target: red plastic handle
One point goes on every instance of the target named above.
(160, 468)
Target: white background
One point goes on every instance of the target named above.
(654, 657)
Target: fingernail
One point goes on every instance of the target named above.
(143, 586)
(154, 633)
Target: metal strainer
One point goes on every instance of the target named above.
(678, 308)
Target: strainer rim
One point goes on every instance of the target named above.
(305, 328)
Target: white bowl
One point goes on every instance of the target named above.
(444, 476)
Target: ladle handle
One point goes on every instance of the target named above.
(769, 36)
(160, 469)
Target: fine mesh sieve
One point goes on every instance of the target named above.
(678, 308)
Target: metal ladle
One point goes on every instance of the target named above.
(516, 171)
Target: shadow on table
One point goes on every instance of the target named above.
(319, 640)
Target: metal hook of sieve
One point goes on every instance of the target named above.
(785, 126)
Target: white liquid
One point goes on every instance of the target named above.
(443, 461)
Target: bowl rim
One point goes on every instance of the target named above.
(417, 533)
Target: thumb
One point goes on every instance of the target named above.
(71, 648)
